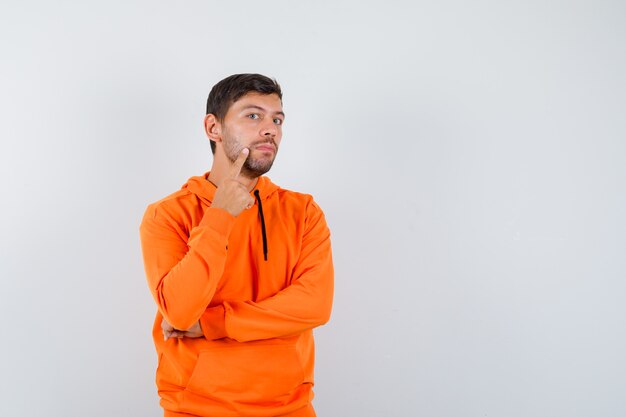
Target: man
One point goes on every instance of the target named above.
(241, 270)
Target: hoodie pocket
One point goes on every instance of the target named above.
(248, 374)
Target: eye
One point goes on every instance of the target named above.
(253, 116)
(278, 121)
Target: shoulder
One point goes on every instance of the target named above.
(170, 203)
(295, 199)
(302, 206)
(293, 196)
(175, 210)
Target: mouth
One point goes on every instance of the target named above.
(266, 148)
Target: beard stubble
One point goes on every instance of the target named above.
(252, 167)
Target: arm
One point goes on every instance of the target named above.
(303, 305)
(183, 274)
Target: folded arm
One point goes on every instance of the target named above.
(183, 273)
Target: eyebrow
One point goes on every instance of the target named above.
(253, 106)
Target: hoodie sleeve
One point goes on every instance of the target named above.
(303, 305)
(183, 272)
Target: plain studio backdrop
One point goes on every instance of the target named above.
(470, 158)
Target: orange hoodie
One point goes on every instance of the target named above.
(257, 315)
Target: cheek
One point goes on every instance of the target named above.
(241, 135)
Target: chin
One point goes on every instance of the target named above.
(253, 171)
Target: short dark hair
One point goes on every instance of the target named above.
(230, 89)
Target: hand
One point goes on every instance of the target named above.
(232, 195)
(169, 331)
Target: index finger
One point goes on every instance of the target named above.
(238, 164)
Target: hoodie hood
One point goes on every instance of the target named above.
(205, 189)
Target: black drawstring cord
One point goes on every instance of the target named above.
(258, 199)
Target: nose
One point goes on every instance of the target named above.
(269, 129)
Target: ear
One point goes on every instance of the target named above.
(213, 128)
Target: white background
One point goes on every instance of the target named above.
(470, 158)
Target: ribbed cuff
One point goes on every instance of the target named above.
(213, 323)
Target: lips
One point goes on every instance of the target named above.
(266, 148)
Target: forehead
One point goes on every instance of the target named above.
(269, 102)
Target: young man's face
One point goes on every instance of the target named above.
(254, 122)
